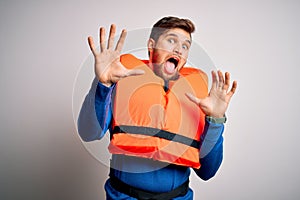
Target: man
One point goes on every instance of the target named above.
(162, 119)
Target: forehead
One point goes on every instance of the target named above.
(177, 32)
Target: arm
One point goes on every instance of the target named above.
(211, 150)
(95, 114)
(214, 105)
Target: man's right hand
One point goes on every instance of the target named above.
(108, 68)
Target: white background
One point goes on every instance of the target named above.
(43, 45)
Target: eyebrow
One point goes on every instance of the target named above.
(172, 34)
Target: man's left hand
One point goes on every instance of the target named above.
(217, 101)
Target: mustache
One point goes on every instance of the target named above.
(158, 70)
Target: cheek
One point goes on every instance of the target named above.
(185, 54)
(156, 55)
(184, 57)
(182, 62)
(165, 46)
(159, 55)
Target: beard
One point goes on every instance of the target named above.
(158, 69)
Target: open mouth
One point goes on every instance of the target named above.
(171, 64)
(173, 60)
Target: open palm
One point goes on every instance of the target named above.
(108, 68)
(217, 101)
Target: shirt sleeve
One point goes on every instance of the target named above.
(96, 113)
(211, 150)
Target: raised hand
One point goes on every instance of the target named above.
(108, 68)
(216, 103)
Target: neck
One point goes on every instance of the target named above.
(166, 85)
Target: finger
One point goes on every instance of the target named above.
(102, 39)
(214, 79)
(233, 89)
(92, 45)
(121, 40)
(193, 98)
(111, 36)
(119, 74)
(220, 79)
(132, 72)
(135, 72)
(227, 81)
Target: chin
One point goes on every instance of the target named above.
(158, 70)
(173, 77)
(167, 77)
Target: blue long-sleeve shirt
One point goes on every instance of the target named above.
(95, 119)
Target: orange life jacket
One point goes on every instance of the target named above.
(151, 123)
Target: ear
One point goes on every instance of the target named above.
(151, 44)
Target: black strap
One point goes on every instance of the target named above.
(146, 195)
(149, 131)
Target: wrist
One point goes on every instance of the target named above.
(217, 120)
(107, 84)
(104, 82)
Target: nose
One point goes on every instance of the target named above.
(178, 49)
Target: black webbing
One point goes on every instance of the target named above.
(156, 133)
(145, 195)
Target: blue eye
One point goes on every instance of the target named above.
(172, 41)
(185, 47)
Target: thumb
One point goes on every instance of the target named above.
(135, 72)
(192, 98)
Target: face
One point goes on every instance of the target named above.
(169, 53)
